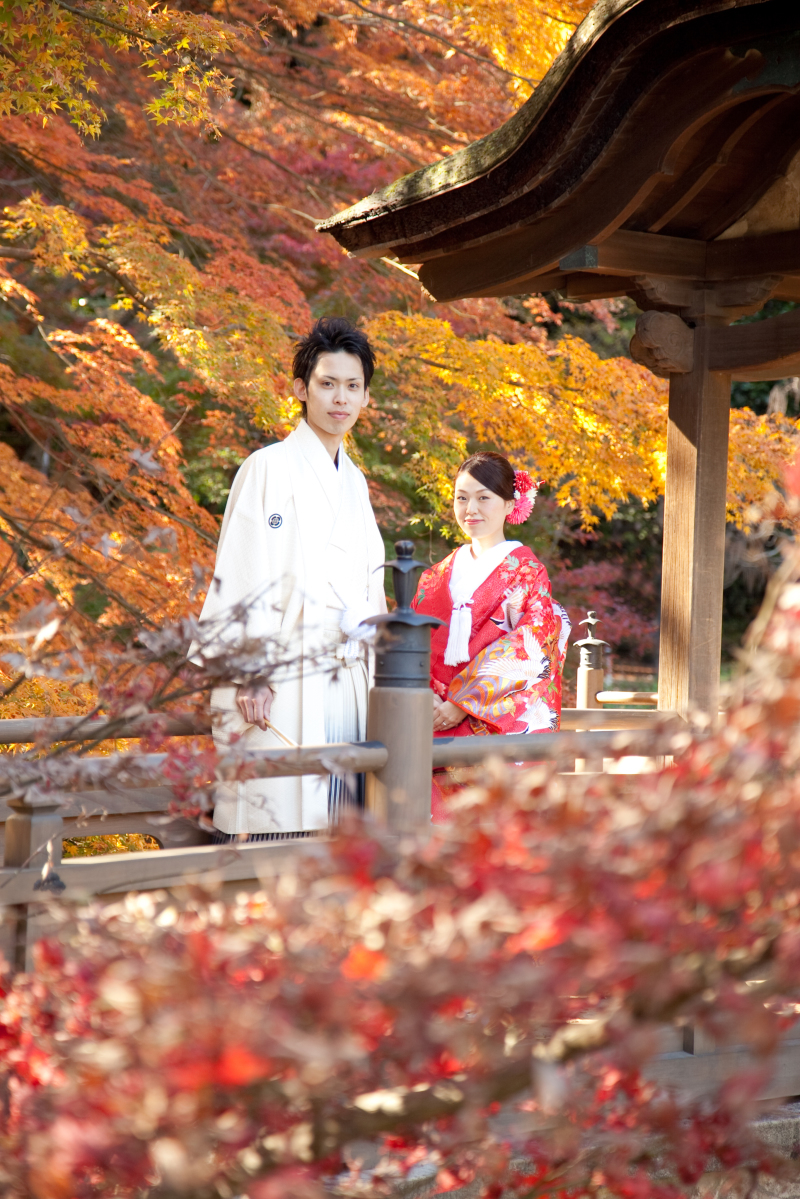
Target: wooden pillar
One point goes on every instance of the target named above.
(32, 839)
(694, 535)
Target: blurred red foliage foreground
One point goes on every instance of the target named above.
(485, 1003)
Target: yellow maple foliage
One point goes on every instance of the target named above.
(52, 53)
(594, 429)
(522, 38)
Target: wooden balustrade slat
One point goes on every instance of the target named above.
(573, 719)
(30, 730)
(111, 874)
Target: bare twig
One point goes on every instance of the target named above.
(280, 165)
(23, 533)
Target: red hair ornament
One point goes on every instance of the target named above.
(525, 492)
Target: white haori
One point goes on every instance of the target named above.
(294, 525)
(466, 576)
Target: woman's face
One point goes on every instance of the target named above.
(480, 512)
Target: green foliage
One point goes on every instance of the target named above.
(90, 600)
(751, 395)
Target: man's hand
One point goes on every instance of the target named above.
(447, 716)
(255, 703)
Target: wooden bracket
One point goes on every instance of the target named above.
(768, 349)
(697, 300)
(663, 343)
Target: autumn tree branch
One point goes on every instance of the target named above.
(281, 167)
(488, 62)
(98, 580)
(18, 252)
(87, 16)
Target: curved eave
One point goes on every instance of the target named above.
(655, 108)
(357, 227)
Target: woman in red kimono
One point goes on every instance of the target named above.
(497, 661)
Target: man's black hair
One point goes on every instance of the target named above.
(332, 335)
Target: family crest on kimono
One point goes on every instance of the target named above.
(497, 661)
(299, 561)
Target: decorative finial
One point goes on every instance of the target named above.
(405, 569)
(404, 576)
(592, 622)
(590, 646)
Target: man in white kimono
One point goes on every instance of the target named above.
(298, 566)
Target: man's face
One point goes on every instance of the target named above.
(335, 394)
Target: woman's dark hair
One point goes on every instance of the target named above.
(492, 470)
(332, 335)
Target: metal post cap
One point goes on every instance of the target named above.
(405, 585)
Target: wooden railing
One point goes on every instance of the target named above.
(144, 808)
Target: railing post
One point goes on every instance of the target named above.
(33, 834)
(591, 679)
(401, 705)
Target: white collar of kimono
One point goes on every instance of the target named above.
(328, 472)
(356, 606)
(466, 576)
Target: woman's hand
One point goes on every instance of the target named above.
(255, 703)
(446, 715)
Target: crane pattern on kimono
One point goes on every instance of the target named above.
(511, 613)
(511, 609)
(564, 632)
(531, 669)
(513, 685)
(525, 672)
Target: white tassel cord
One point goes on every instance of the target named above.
(459, 634)
(466, 576)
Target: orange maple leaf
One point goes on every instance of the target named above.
(239, 1066)
(364, 963)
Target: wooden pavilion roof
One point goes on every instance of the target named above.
(663, 142)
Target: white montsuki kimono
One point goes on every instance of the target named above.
(299, 545)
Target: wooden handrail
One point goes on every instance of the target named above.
(539, 747)
(600, 718)
(627, 697)
(92, 774)
(27, 730)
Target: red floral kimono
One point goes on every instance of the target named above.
(512, 681)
